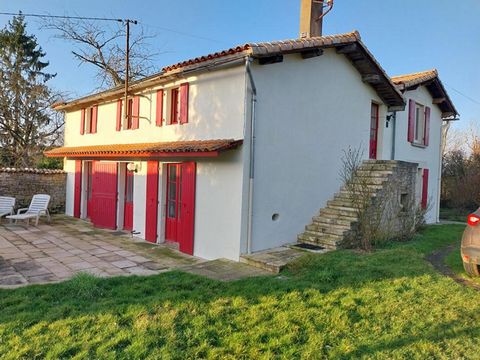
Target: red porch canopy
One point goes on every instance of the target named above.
(191, 148)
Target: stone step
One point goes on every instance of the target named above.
(368, 187)
(348, 209)
(336, 214)
(273, 260)
(320, 234)
(328, 229)
(374, 173)
(322, 220)
(340, 202)
(375, 161)
(369, 180)
(325, 241)
(377, 167)
(347, 195)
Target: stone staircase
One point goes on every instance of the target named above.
(335, 225)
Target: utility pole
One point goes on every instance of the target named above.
(127, 63)
(311, 17)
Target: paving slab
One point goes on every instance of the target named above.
(58, 250)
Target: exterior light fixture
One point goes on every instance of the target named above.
(132, 167)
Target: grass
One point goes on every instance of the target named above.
(389, 304)
(454, 214)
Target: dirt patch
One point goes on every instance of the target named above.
(437, 259)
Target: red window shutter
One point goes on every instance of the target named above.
(425, 189)
(159, 112)
(82, 122)
(184, 103)
(411, 120)
(426, 137)
(93, 130)
(77, 188)
(135, 112)
(119, 114)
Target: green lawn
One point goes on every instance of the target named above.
(389, 304)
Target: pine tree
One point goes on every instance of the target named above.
(27, 123)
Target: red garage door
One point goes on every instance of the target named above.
(104, 195)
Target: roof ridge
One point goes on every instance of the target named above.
(418, 73)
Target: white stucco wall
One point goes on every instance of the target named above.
(218, 204)
(428, 157)
(215, 112)
(69, 168)
(308, 112)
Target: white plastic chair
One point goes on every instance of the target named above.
(7, 205)
(38, 207)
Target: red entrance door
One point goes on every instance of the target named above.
(181, 205)
(104, 195)
(174, 178)
(373, 131)
(151, 211)
(88, 166)
(128, 208)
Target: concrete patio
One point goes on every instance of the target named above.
(55, 251)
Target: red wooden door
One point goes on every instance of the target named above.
(174, 177)
(128, 207)
(151, 212)
(373, 131)
(104, 195)
(89, 189)
(186, 220)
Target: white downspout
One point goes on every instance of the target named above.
(251, 155)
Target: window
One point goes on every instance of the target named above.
(88, 123)
(175, 106)
(419, 124)
(129, 120)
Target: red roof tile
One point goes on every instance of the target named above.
(193, 147)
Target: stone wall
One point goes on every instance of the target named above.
(22, 184)
(399, 198)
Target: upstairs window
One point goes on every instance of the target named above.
(175, 106)
(418, 123)
(179, 105)
(132, 120)
(129, 122)
(88, 123)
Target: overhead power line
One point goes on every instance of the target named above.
(464, 95)
(48, 16)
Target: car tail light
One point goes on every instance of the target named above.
(473, 220)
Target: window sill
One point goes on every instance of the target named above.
(419, 145)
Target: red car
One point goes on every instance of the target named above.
(470, 248)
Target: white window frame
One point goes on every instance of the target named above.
(419, 132)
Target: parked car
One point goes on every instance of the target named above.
(470, 248)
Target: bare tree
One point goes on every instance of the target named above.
(104, 47)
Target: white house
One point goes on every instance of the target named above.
(234, 152)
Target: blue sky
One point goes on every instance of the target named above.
(405, 36)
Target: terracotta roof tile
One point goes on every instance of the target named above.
(416, 78)
(272, 47)
(145, 149)
(432, 81)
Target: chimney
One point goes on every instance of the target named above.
(311, 17)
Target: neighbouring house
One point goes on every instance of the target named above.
(234, 152)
